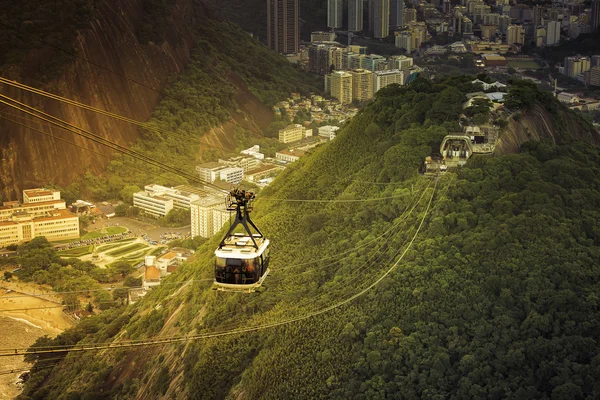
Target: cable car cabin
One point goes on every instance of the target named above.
(239, 265)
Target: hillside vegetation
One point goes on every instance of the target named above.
(224, 64)
(496, 298)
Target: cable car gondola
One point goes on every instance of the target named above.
(242, 259)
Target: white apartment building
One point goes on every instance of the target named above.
(289, 155)
(208, 215)
(403, 40)
(232, 175)
(254, 151)
(400, 62)
(382, 79)
(328, 131)
(209, 171)
(245, 163)
(291, 133)
(152, 203)
(40, 195)
(334, 13)
(515, 34)
(552, 33)
(340, 83)
(362, 84)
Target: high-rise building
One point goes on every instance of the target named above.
(595, 17)
(410, 15)
(382, 79)
(371, 15)
(404, 41)
(541, 35)
(595, 61)
(208, 215)
(488, 31)
(595, 76)
(283, 31)
(381, 15)
(362, 84)
(397, 13)
(340, 83)
(355, 15)
(418, 31)
(374, 62)
(334, 13)
(552, 33)
(400, 62)
(574, 66)
(515, 35)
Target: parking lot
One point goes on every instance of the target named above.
(141, 228)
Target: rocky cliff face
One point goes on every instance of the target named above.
(539, 124)
(29, 158)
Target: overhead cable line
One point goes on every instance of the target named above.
(134, 154)
(178, 339)
(98, 139)
(145, 125)
(52, 136)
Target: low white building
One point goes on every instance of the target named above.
(328, 131)
(209, 171)
(254, 151)
(289, 155)
(232, 175)
(153, 204)
(568, 98)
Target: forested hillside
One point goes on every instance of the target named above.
(496, 298)
(229, 84)
(212, 79)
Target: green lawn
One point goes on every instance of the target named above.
(137, 254)
(77, 252)
(92, 235)
(126, 249)
(524, 64)
(116, 244)
(115, 230)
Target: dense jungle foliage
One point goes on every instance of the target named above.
(497, 298)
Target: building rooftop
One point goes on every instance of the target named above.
(263, 168)
(297, 153)
(152, 273)
(27, 205)
(39, 192)
(168, 256)
(57, 214)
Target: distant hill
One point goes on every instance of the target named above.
(491, 293)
